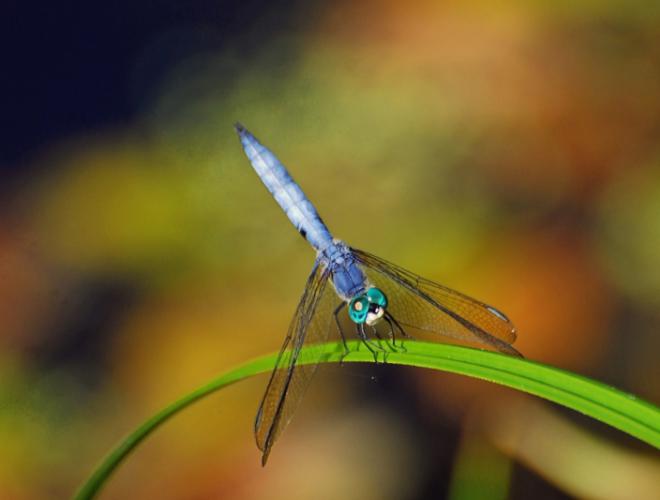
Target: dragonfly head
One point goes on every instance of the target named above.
(368, 307)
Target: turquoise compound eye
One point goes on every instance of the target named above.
(358, 309)
(375, 296)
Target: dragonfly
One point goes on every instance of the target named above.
(382, 301)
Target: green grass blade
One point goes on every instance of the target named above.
(607, 404)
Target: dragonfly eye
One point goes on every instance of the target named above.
(358, 309)
(369, 307)
(376, 296)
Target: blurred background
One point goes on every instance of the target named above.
(510, 152)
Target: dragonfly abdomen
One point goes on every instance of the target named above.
(285, 190)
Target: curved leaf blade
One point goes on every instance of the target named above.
(607, 404)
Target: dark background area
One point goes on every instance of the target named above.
(69, 67)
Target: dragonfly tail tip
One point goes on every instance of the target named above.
(238, 126)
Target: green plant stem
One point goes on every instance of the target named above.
(607, 404)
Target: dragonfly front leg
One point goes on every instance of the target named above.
(368, 343)
(389, 341)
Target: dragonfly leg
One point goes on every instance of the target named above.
(398, 325)
(341, 332)
(389, 342)
(392, 336)
(392, 321)
(368, 343)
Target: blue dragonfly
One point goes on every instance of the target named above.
(376, 294)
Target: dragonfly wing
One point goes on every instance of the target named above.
(310, 326)
(426, 306)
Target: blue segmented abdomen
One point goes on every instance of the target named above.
(286, 192)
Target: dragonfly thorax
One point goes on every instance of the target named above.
(368, 307)
(347, 276)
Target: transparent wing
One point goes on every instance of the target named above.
(425, 306)
(310, 326)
